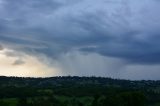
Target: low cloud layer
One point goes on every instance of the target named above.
(85, 37)
(24, 65)
(1, 48)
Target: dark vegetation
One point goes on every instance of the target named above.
(78, 91)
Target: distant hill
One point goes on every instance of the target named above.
(75, 80)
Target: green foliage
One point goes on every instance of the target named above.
(125, 99)
(77, 91)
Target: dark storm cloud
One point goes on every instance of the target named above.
(125, 29)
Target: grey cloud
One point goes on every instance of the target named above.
(120, 29)
(1, 47)
(18, 62)
(12, 54)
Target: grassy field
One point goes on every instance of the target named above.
(70, 101)
(9, 102)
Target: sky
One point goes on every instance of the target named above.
(108, 38)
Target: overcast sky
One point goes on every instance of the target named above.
(111, 38)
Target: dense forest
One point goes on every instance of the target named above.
(78, 91)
